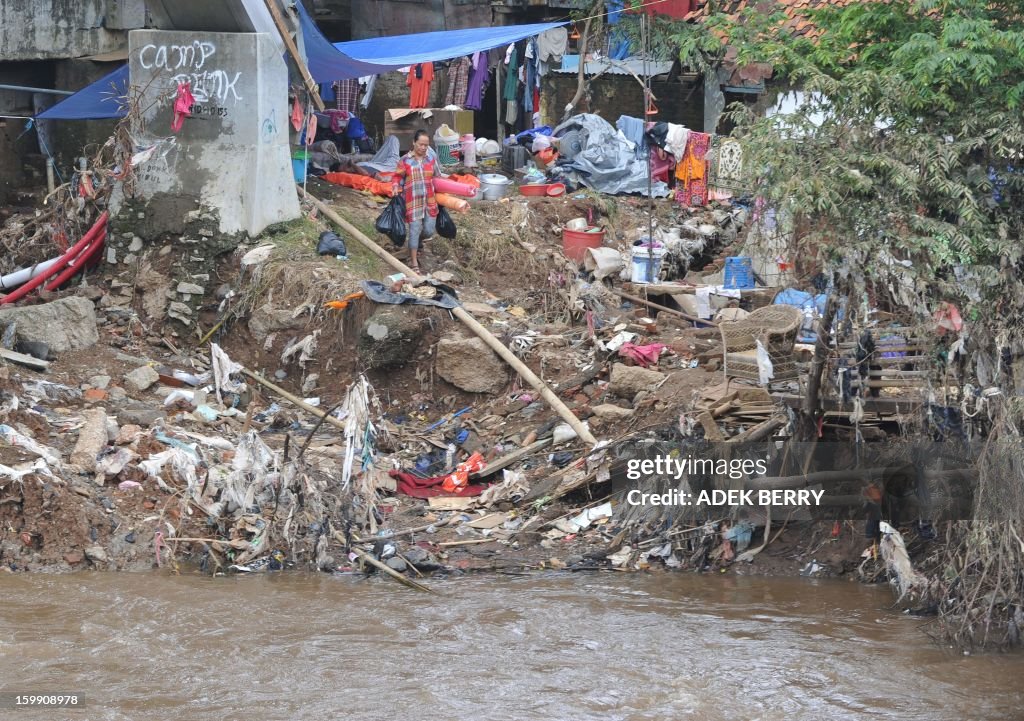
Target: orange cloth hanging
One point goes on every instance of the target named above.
(419, 87)
(297, 115)
(692, 171)
(311, 129)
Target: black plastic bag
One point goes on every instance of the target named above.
(445, 225)
(331, 244)
(391, 222)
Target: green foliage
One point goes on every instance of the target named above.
(912, 116)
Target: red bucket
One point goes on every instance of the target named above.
(576, 242)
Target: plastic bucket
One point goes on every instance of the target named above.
(739, 272)
(646, 264)
(575, 243)
(299, 169)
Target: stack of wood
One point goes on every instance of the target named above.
(732, 413)
(882, 358)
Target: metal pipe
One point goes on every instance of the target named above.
(29, 89)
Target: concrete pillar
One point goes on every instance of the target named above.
(232, 155)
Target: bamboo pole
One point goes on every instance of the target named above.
(294, 399)
(485, 335)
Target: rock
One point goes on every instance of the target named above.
(95, 395)
(390, 337)
(443, 276)
(396, 564)
(267, 319)
(309, 385)
(469, 364)
(34, 349)
(139, 415)
(65, 325)
(627, 381)
(74, 557)
(117, 394)
(609, 412)
(92, 438)
(479, 308)
(112, 255)
(96, 554)
(136, 245)
(130, 259)
(280, 374)
(422, 559)
(142, 378)
(191, 289)
(127, 433)
(101, 382)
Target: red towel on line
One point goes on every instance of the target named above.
(411, 485)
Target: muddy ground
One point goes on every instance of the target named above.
(507, 266)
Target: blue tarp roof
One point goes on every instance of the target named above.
(101, 99)
(327, 63)
(399, 50)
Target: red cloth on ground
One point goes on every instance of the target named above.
(644, 355)
(411, 485)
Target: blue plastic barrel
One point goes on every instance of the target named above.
(299, 169)
(739, 272)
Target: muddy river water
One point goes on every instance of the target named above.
(560, 646)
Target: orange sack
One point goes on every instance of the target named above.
(359, 182)
(452, 202)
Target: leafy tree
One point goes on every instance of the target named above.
(902, 173)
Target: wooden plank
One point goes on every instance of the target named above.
(25, 360)
(882, 406)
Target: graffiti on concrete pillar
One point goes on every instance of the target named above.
(268, 128)
(194, 63)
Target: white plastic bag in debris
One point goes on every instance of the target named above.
(603, 262)
(223, 368)
(359, 430)
(183, 465)
(765, 369)
(253, 463)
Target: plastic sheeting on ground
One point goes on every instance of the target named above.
(376, 292)
(386, 159)
(440, 45)
(605, 162)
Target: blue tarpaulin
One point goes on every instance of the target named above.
(327, 63)
(102, 99)
(400, 50)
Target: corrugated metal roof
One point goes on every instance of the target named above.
(628, 66)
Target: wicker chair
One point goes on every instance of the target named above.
(776, 326)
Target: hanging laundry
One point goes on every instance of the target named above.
(346, 94)
(458, 82)
(552, 44)
(511, 85)
(676, 141)
(420, 77)
(478, 82)
(311, 129)
(297, 115)
(183, 103)
(692, 171)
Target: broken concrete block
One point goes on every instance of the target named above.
(267, 319)
(92, 438)
(469, 364)
(627, 381)
(64, 325)
(141, 378)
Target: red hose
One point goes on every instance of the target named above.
(79, 263)
(34, 283)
